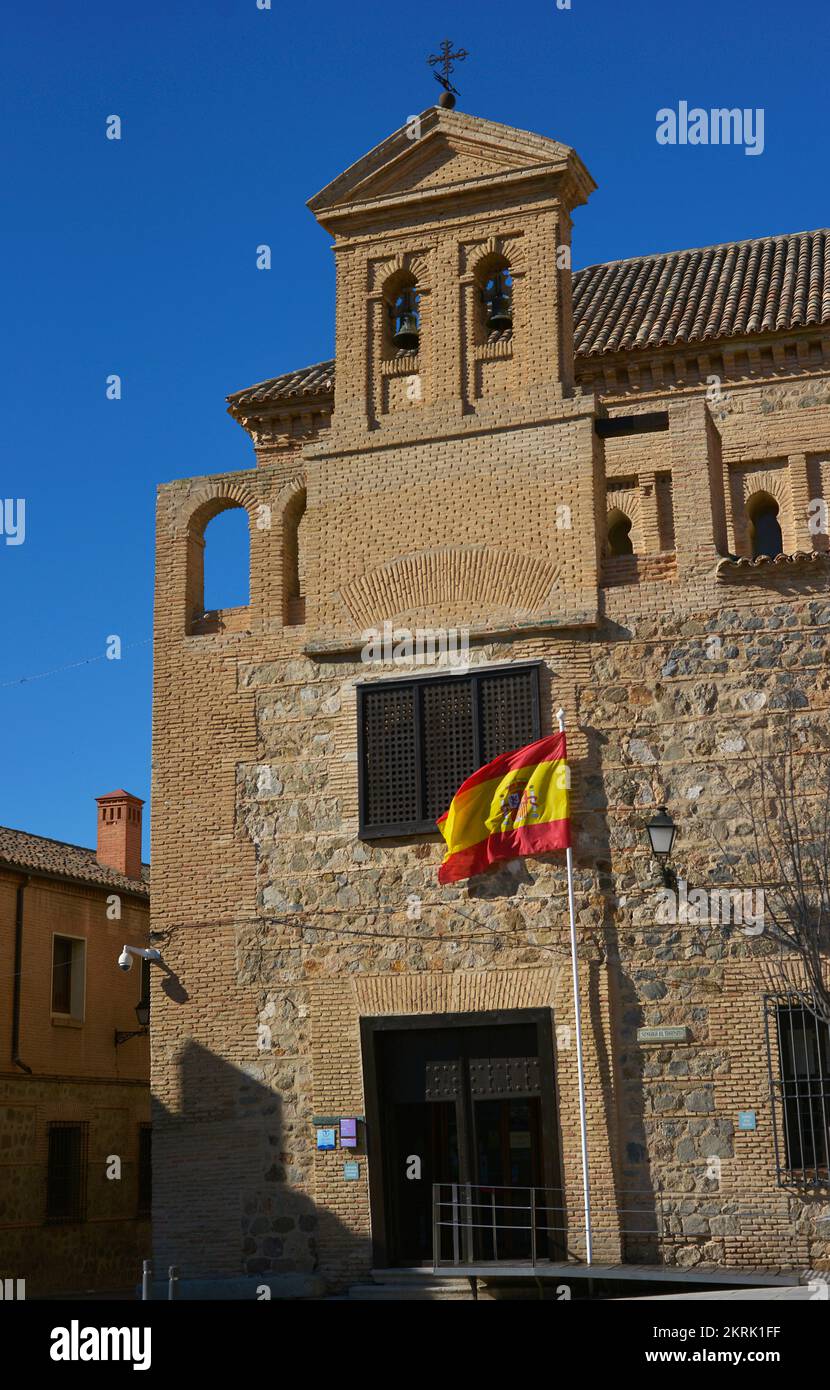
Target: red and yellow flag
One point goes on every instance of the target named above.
(516, 805)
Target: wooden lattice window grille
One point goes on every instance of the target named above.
(418, 740)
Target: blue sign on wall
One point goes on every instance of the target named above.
(746, 1119)
(326, 1139)
(351, 1170)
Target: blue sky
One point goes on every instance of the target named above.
(138, 258)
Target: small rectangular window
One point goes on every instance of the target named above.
(420, 739)
(798, 1045)
(145, 1170)
(68, 968)
(61, 975)
(66, 1172)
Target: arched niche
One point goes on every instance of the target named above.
(199, 620)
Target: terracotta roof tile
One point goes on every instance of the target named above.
(308, 381)
(740, 566)
(23, 851)
(734, 290)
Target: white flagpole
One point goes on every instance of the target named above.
(583, 1128)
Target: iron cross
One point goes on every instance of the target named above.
(447, 60)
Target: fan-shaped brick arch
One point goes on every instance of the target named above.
(384, 273)
(290, 490)
(203, 506)
(477, 577)
(774, 482)
(495, 249)
(627, 501)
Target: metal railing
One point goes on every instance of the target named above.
(531, 1227)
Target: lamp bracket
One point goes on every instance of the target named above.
(121, 1037)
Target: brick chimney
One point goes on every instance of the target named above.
(119, 833)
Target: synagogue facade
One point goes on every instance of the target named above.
(612, 483)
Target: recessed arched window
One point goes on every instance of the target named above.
(294, 559)
(764, 527)
(495, 298)
(227, 562)
(218, 564)
(403, 314)
(619, 533)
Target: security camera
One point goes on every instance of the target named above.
(125, 960)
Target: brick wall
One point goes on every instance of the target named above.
(75, 1074)
(281, 929)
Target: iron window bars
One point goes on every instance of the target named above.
(66, 1171)
(419, 739)
(798, 1058)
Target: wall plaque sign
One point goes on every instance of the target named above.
(746, 1119)
(326, 1139)
(351, 1170)
(662, 1035)
(348, 1134)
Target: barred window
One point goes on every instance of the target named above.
(66, 1171)
(145, 1169)
(420, 739)
(799, 1056)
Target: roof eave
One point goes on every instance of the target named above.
(29, 871)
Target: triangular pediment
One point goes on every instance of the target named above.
(446, 151)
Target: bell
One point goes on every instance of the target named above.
(405, 321)
(500, 315)
(406, 335)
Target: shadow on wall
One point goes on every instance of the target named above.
(668, 1131)
(623, 1077)
(228, 1172)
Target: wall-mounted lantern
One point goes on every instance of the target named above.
(142, 1013)
(661, 833)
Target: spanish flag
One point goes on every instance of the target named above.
(516, 805)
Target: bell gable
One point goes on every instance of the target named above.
(448, 153)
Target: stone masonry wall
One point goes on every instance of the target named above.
(317, 934)
(281, 929)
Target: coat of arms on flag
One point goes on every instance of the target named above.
(516, 805)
